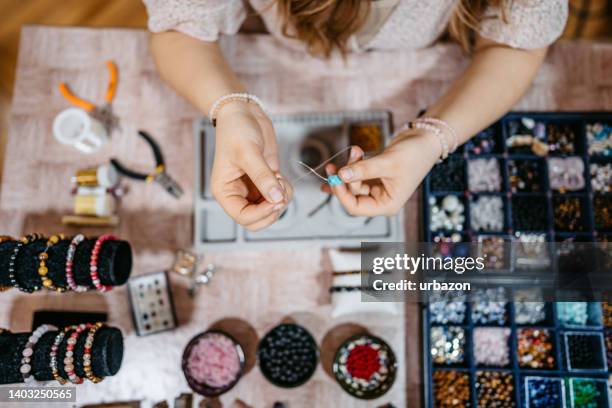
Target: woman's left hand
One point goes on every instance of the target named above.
(381, 185)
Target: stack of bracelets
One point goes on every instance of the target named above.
(73, 333)
(439, 128)
(45, 280)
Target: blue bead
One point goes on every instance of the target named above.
(334, 180)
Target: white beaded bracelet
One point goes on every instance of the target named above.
(233, 97)
(436, 131)
(451, 130)
(28, 352)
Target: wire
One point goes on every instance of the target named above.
(314, 170)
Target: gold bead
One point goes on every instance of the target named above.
(43, 256)
(47, 283)
(43, 270)
(54, 239)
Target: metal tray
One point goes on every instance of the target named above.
(330, 226)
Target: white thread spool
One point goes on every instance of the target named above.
(75, 127)
(97, 205)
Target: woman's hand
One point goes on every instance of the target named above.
(245, 176)
(381, 185)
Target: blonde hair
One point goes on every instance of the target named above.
(327, 25)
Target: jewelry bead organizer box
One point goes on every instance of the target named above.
(532, 177)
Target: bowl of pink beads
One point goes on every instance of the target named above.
(213, 362)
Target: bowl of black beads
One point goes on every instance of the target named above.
(365, 366)
(288, 355)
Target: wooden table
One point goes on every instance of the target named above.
(35, 191)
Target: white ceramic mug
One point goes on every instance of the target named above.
(75, 127)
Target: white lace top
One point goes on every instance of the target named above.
(410, 24)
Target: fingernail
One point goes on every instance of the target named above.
(346, 174)
(278, 207)
(353, 152)
(276, 195)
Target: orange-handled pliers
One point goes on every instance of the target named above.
(103, 113)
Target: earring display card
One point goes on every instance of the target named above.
(313, 217)
(151, 303)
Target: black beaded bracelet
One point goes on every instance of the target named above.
(348, 289)
(12, 272)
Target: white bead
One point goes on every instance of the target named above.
(450, 203)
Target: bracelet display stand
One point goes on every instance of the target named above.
(106, 355)
(114, 263)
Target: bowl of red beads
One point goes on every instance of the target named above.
(365, 366)
(213, 362)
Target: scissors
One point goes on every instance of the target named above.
(103, 113)
(158, 175)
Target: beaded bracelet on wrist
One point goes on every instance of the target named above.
(87, 354)
(43, 271)
(28, 352)
(451, 130)
(232, 97)
(69, 367)
(438, 133)
(70, 265)
(93, 263)
(53, 355)
(12, 272)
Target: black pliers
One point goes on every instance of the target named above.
(159, 175)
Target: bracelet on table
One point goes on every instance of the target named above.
(43, 271)
(53, 364)
(69, 359)
(348, 289)
(93, 262)
(70, 266)
(343, 273)
(5, 238)
(232, 97)
(12, 273)
(28, 352)
(451, 130)
(87, 354)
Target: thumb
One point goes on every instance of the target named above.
(363, 170)
(262, 176)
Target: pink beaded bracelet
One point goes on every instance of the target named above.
(69, 264)
(93, 263)
(69, 360)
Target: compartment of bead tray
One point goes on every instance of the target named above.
(548, 173)
(312, 217)
(518, 354)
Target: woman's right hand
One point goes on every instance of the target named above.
(245, 177)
